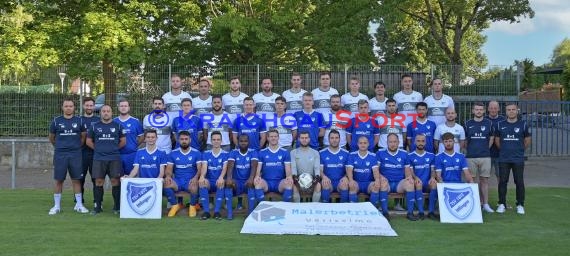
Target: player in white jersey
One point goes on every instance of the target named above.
(378, 103)
(233, 101)
(218, 120)
(161, 122)
(265, 100)
(173, 99)
(294, 96)
(451, 127)
(322, 94)
(438, 103)
(203, 103)
(333, 122)
(350, 99)
(284, 123)
(407, 99)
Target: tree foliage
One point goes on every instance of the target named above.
(561, 54)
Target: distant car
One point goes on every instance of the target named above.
(100, 100)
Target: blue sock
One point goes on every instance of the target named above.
(432, 199)
(384, 201)
(410, 201)
(374, 198)
(287, 194)
(420, 201)
(353, 198)
(343, 196)
(205, 199)
(170, 195)
(250, 200)
(229, 198)
(194, 199)
(259, 194)
(219, 199)
(326, 195)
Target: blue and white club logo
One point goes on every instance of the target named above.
(141, 197)
(459, 202)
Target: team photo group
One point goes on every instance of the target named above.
(317, 146)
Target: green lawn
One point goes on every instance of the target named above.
(28, 230)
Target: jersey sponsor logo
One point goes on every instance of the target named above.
(295, 105)
(324, 104)
(459, 202)
(234, 109)
(141, 197)
(437, 112)
(408, 107)
(266, 107)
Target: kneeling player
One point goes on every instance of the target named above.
(212, 176)
(333, 171)
(274, 170)
(180, 174)
(242, 165)
(422, 163)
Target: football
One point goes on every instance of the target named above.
(305, 180)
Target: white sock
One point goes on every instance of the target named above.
(316, 197)
(78, 199)
(57, 200)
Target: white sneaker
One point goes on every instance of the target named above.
(488, 208)
(399, 207)
(501, 208)
(520, 209)
(80, 209)
(54, 210)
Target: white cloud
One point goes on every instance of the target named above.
(549, 15)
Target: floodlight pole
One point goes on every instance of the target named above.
(62, 77)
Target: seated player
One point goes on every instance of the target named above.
(150, 162)
(450, 164)
(242, 165)
(395, 168)
(364, 177)
(212, 177)
(333, 172)
(274, 170)
(180, 175)
(306, 160)
(422, 163)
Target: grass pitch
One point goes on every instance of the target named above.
(28, 230)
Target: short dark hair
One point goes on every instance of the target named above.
(68, 99)
(405, 75)
(479, 104)
(157, 98)
(215, 133)
(86, 99)
(379, 83)
(335, 96)
(447, 136)
(185, 133)
(147, 131)
(272, 130)
(334, 132)
(421, 104)
(186, 100)
(390, 101)
(325, 73)
(216, 97)
(281, 98)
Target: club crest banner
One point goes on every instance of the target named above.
(141, 198)
(459, 203)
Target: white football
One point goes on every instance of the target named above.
(305, 180)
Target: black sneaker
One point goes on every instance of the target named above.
(96, 211)
(217, 216)
(432, 216)
(205, 216)
(386, 215)
(422, 216)
(411, 217)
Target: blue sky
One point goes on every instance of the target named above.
(531, 38)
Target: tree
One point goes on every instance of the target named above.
(561, 53)
(527, 66)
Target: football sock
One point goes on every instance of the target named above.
(353, 198)
(326, 195)
(432, 199)
(78, 199)
(374, 198)
(259, 194)
(170, 195)
(229, 198)
(420, 201)
(287, 194)
(219, 199)
(410, 201)
(98, 195)
(250, 200)
(194, 199)
(57, 200)
(116, 190)
(240, 201)
(384, 201)
(343, 195)
(316, 197)
(205, 199)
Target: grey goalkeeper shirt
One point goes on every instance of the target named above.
(305, 160)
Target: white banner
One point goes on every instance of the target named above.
(354, 219)
(459, 203)
(141, 198)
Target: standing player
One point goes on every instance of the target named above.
(337, 120)
(181, 174)
(265, 100)
(161, 122)
(203, 103)
(478, 132)
(212, 178)
(395, 167)
(88, 119)
(362, 125)
(512, 137)
(242, 165)
(306, 160)
(378, 103)
(106, 138)
(407, 98)
(493, 115)
(150, 162)
(451, 127)
(249, 123)
(219, 121)
(391, 123)
(190, 123)
(438, 103)
(422, 163)
(322, 94)
(67, 135)
(333, 173)
(450, 164)
(273, 170)
(173, 99)
(284, 123)
(350, 99)
(294, 96)
(421, 126)
(233, 101)
(133, 131)
(311, 121)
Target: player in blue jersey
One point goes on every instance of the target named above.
(422, 163)
(311, 121)
(493, 115)
(362, 125)
(273, 170)
(150, 162)
(132, 128)
(449, 164)
(67, 135)
(242, 165)
(333, 171)
(181, 174)
(395, 168)
(364, 177)
(212, 177)
(252, 125)
(187, 121)
(88, 118)
(106, 138)
(421, 125)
